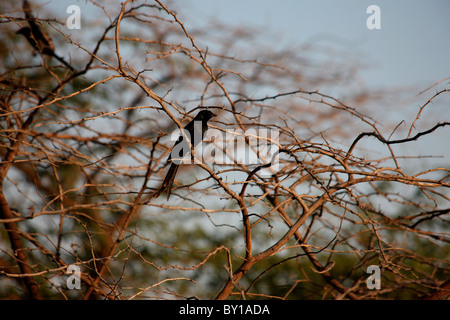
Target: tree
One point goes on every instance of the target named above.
(295, 209)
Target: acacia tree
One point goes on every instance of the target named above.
(83, 151)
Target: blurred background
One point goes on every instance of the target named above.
(399, 61)
(82, 151)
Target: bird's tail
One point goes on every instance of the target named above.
(168, 181)
(63, 62)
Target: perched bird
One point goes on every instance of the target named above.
(194, 131)
(38, 39)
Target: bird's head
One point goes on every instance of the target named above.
(204, 115)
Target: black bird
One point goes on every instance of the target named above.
(38, 39)
(194, 131)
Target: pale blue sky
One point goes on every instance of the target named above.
(411, 48)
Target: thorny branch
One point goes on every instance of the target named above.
(82, 152)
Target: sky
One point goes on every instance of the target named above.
(410, 50)
(412, 47)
